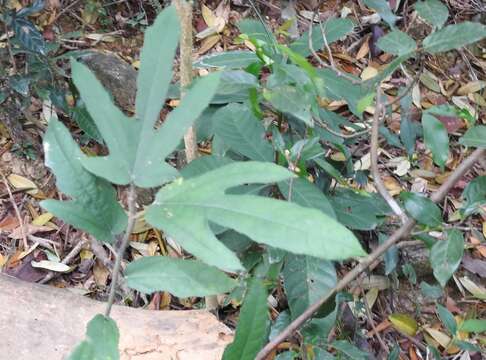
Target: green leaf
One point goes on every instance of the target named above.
(382, 7)
(475, 137)
(101, 341)
(454, 37)
(408, 132)
(242, 132)
(432, 11)
(291, 100)
(431, 291)
(474, 195)
(306, 280)
(436, 138)
(183, 278)
(28, 36)
(183, 209)
(228, 59)
(422, 209)
(203, 164)
(253, 324)
(397, 43)
(447, 319)
(305, 193)
(255, 29)
(334, 29)
(446, 255)
(473, 325)
(93, 207)
(339, 88)
(281, 322)
(351, 351)
(359, 211)
(136, 150)
(85, 122)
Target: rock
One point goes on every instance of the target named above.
(43, 322)
(118, 77)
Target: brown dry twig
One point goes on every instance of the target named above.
(17, 212)
(403, 231)
(380, 186)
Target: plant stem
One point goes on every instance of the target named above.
(123, 246)
(403, 231)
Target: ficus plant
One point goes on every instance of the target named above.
(271, 183)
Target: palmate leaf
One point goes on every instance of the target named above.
(184, 209)
(93, 207)
(136, 150)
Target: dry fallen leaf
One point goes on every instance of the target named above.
(404, 323)
(50, 265)
(21, 182)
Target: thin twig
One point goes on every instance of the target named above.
(380, 186)
(132, 212)
(403, 231)
(372, 322)
(69, 258)
(341, 135)
(17, 212)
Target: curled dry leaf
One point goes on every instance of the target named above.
(21, 182)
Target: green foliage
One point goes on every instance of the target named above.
(334, 29)
(183, 209)
(306, 280)
(101, 341)
(454, 36)
(253, 324)
(474, 196)
(183, 278)
(382, 7)
(397, 43)
(242, 132)
(422, 209)
(432, 11)
(446, 255)
(447, 319)
(436, 138)
(227, 60)
(473, 325)
(93, 207)
(475, 137)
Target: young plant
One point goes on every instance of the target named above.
(186, 208)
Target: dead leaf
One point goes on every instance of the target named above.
(29, 229)
(9, 222)
(51, 266)
(100, 273)
(475, 289)
(368, 73)
(21, 182)
(451, 123)
(208, 43)
(404, 323)
(471, 87)
(42, 219)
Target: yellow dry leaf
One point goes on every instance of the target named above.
(364, 49)
(371, 297)
(392, 185)
(152, 248)
(208, 43)
(484, 228)
(404, 323)
(21, 182)
(338, 156)
(3, 260)
(476, 290)
(136, 64)
(368, 73)
(439, 336)
(471, 87)
(42, 219)
(100, 273)
(86, 254)
(208, 15)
